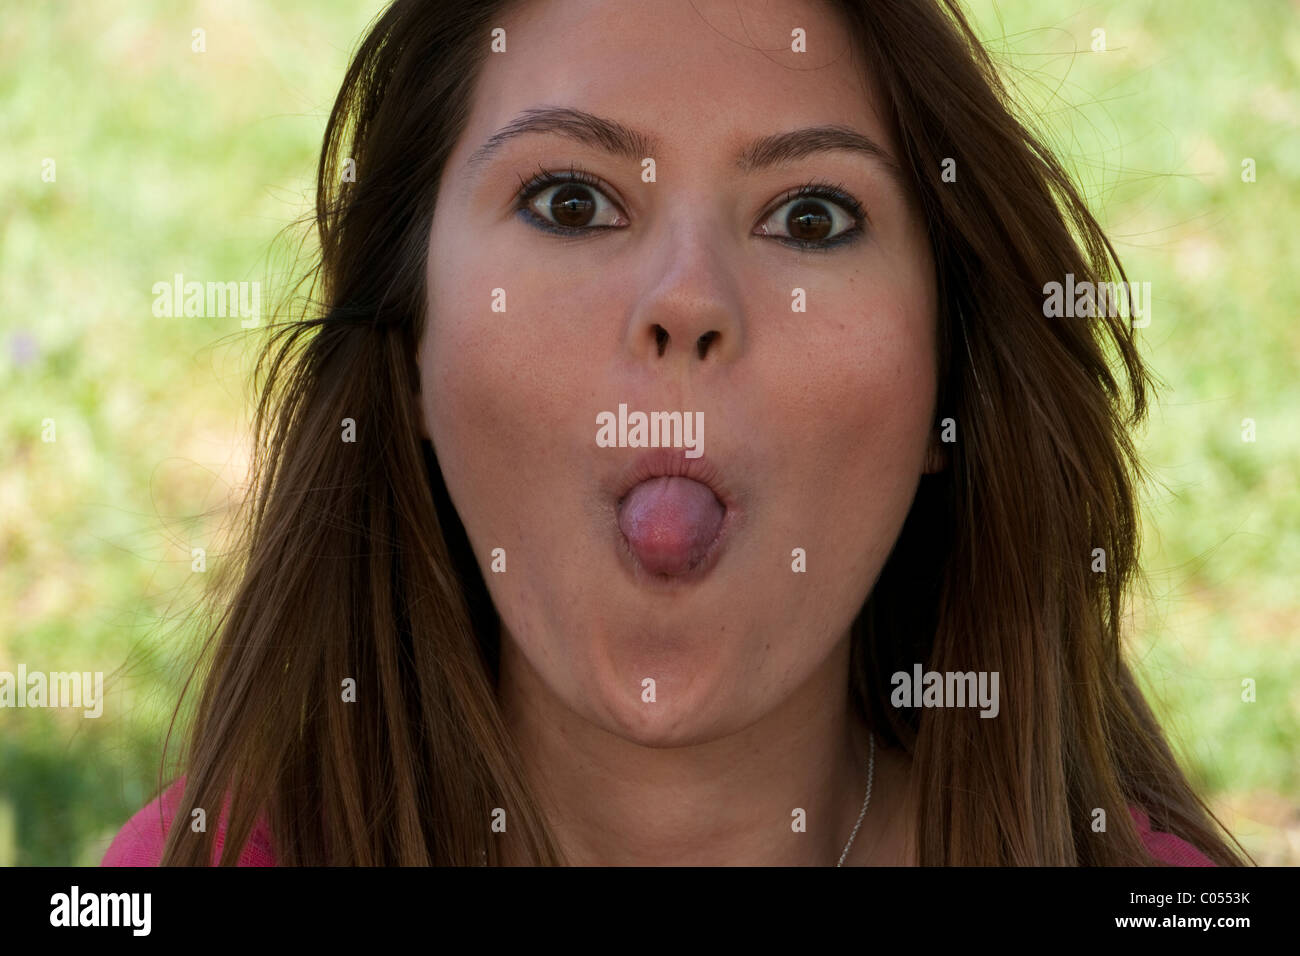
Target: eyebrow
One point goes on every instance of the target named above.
(619, 140)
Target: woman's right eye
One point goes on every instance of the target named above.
(568, 203)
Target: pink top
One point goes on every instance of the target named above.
(140, 841)
(1166, 847)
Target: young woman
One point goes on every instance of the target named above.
(683, 468)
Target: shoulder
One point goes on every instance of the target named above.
(1166, 847)
(140, 841)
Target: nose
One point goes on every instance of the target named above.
(691, 309)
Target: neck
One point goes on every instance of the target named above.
(725, 802)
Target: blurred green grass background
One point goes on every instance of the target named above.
(173, 161)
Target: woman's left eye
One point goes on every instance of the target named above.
(815, 216)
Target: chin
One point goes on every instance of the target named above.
(663, 727)
(695, 702)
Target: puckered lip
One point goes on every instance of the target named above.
(673, 463)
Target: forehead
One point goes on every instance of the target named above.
(700, 78)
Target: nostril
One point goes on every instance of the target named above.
(661, 338)
(705, 341)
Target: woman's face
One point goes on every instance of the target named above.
(727, 577)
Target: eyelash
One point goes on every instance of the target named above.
(812, 189)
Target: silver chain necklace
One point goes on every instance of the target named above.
(866, 802)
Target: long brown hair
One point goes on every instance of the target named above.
(355, 564)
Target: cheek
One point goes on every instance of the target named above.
(498, 361)
(857, 396)
(483, 411)
(489, 390)
(504, 401)
(884, 399)
(853, 409)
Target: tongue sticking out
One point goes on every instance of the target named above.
(670, 523)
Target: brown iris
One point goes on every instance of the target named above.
(808, 221)
(572, 205)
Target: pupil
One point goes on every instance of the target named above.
(808, 221)
(571, 205)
